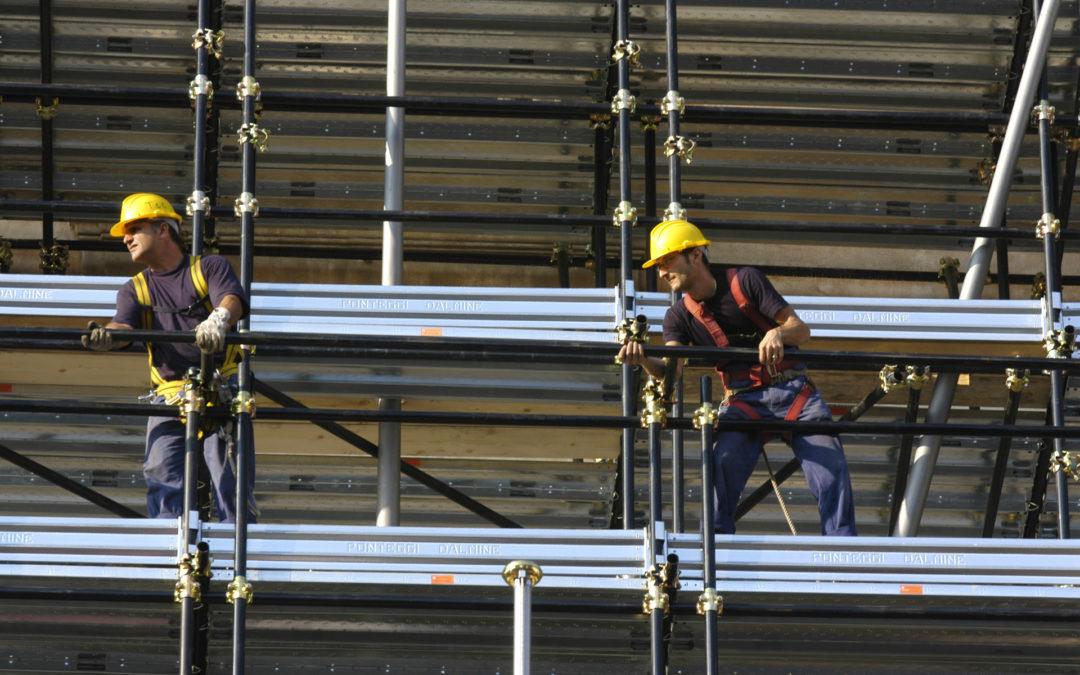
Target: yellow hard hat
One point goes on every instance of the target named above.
(143, 205)
(673, 235)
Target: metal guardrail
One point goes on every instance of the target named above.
(573, 315)
(328, 558)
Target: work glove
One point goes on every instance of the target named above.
(99, 338)
(210, 334)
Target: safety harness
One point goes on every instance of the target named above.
(757, 374)
(171, 389)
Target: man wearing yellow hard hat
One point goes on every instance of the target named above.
(177, 292)
(739, 307)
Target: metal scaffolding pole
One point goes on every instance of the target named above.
(388, 507)
(1016, 383)
(710, 602)
(53, 258)
(239, 591)
(922, 468)
(625, 218)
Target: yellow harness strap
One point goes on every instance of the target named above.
(171, 389)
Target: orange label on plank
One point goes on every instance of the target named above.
(908, 589)
(442, 578)
(431, 332)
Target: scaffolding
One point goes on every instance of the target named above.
(596, 576)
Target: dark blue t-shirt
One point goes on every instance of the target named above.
(176, 289)
(681, 326)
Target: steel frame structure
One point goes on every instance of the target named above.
(660, 569)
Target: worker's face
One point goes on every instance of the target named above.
(143, 239)
(675, 268)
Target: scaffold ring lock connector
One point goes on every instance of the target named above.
(682, 146)
(623, 100)
(890, 379)
(655, 598)
(1047, 225)
(1062, 461)
(624, 213)
(704, 416)
(239, 589)
(599, 121)
(248, 86)
(209, 40)
(192, 401)
(917, 376)
(626, 49)
(186, 585)
(672, 101)
(650, 122)
(1016, 379)
(654, 396)
(1043, 111)
(246, 203)
(710, 601)
(197, 201)
(515, 568)
(243, 402)
(674, 211)
(47, 112)
(254, 134)
(1059, 344)
(201, 86)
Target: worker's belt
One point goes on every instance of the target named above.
(779, 377)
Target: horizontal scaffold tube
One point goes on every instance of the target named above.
(539, 420)
(493, 107)
(361, 346)
(84, 209)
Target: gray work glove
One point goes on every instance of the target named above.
(99, 338)
(210, 334)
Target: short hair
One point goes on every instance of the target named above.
(174, 230)
(704, 253)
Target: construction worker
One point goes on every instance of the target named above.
(177, 293)
(739, 307)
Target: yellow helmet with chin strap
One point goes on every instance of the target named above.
(673, 235)
(141, 206)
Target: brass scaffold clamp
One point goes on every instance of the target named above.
(681, 146)
(672, 101)
(674, 211)
(656, 599)
(201, 86)
(890, 378)
(47, 112)
(1016, 379)
(192, 400)
(626, 49)
(650, 122)
(186, 584)
(624, 212)
(54, 259)
(710, 601)
(254, 134)
(6, 255)
(248, 86)
(631, 330)
(1062, 460)
(243, 403)
(917, 376)
(1059, 343)
(208, 39)
(623, 100)
(1048, 225)
(239, 589)
(196, 201)
(246, 203)
(655, 399)
(599, 121)
(705, 415)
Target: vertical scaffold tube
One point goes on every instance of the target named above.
(1016, 385)
(388, 508)
(673, 106)
(522, 575)
(709, 604)
(239, 591)
(1048, 228)
(47, 168)
(625, 218)
(187, 588)
(922, 468)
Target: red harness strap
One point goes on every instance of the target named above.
(757, 374)
(792, 414)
